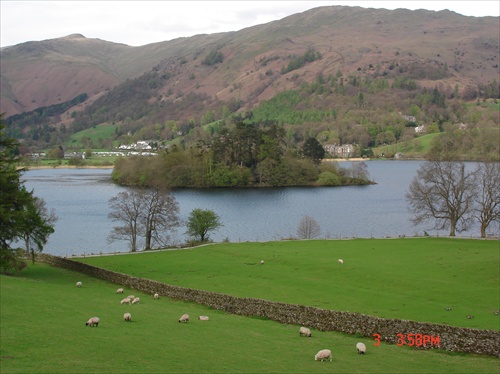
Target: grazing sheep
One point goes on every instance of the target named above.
(203, 318)
(125, 301)
(324, 354)
(131, 297)
(136, 300)
(94, 321)
(469, 316)
(262, 262)
(120, 290)
(305, 331)
(341, 261)
(184, 318)
(78, 284)
(361, 348)
(156, 296)
(497, 312)
(127, 317)
(447, 309)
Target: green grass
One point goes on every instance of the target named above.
(42, 331)
(417, 148)
(410, 278)
(102, 131)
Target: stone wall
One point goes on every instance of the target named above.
(457, 339)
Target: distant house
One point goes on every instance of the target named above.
(410, 118)
(343, 151)
(420, 129)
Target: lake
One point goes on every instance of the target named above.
(80, 198)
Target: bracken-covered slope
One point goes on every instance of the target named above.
(431, 47)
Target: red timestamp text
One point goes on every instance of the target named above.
(413, 340)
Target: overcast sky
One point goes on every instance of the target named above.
(143, 22)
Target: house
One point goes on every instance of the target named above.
(343, 151)
(420, 129)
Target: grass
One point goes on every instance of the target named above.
(95, 133)
(43, 331)
(417, 148)
(410, 278)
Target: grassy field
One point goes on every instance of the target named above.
(417, 148)
(43, 330)
(96, 133)
(410, 278)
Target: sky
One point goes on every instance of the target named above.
(138, 23)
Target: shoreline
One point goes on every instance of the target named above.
(65, 167)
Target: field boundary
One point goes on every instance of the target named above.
(450, 338)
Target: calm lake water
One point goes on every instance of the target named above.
(80, 198)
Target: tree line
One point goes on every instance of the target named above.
(243, 155)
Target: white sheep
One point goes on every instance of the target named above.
(120, 290)
(131, 297)
(78, 284)
(136, 300)
(94, 321)
(125, 301)
(203, 318)
(184, 318)
(127, 317)
(361, 348)
(156, 296)
(305, 331)
(324, 354)
(262, 262)
(341, 261)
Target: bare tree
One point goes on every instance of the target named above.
(487, 196)
(159, 216)
(308, 228)
(442, 191)
(149, 213)
(126, 207)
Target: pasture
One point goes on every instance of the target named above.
(411, 278)
(43, 330)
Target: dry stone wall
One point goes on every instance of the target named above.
(451, 338)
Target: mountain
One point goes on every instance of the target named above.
(352, 69)
(36, 74)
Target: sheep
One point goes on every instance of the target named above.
(361, 348)
(341, 261)
(136, 300)
(79, 284)
(184, 318)
(156, 296)
(120, 290)
(324, 354)
(203, 318)
(131, 297)
(127, 317)
(125, 301)
(469, 316)
(262, 262)
(305, 331)
(94, 321)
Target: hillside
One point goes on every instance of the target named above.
(194, 81)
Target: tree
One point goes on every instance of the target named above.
(37, 224)
(443, 191)
(308, 228)
(314, 150)
(159, 216)
(487, 196)
(201, 222)
(16, 206)
(149, 213)
(125, 208)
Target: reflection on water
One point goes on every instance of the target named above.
(80, 198)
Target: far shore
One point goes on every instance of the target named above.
(37, 167)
